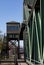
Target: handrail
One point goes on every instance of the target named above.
(7, 61)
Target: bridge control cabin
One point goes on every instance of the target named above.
(13, 30)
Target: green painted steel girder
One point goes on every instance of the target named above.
(42, 17)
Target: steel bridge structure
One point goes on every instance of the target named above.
(33, 33)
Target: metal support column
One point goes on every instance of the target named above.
(42, 17)
(18, 50)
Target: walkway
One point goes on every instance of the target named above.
(10, 61)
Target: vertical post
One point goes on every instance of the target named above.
(25, 53)
(18, 50)
(42, 19)
(7, 48)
